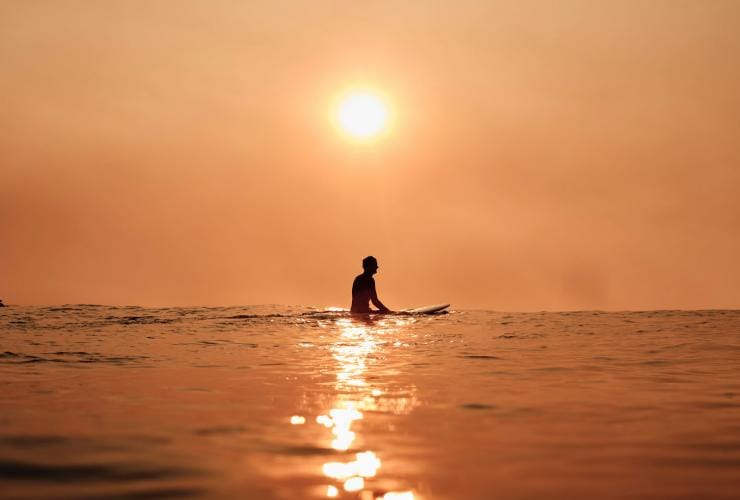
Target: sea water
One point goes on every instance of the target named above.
(295, 403)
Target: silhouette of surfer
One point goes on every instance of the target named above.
(363, 289)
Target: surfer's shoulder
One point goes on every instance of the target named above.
(364, 279)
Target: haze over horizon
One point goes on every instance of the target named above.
(543, 155)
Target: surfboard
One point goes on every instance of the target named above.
(427, 309)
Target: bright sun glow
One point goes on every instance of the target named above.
(362, 115)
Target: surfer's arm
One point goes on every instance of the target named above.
(376, 301)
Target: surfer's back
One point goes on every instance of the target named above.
(362, 290)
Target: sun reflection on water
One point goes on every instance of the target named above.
(356, 349)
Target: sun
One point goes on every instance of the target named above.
(362, 115)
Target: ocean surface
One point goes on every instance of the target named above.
(299, 403)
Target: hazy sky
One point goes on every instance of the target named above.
(544, 154)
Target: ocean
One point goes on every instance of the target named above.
(280, 402)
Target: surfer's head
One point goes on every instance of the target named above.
(370, 264)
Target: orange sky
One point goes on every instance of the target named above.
(545, 154)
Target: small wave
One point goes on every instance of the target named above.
(140, 320)
(27, 471)
(477, 406)
(67, 357)
(151, 493)
(252, 316)
(221, 430)
(220, 343)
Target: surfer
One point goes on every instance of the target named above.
(363, 289)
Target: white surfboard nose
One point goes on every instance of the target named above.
(428, 309)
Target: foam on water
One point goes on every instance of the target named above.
(292, 402)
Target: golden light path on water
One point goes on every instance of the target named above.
(358, 341)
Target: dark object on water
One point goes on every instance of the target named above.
(1, 303)
(363, 289)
